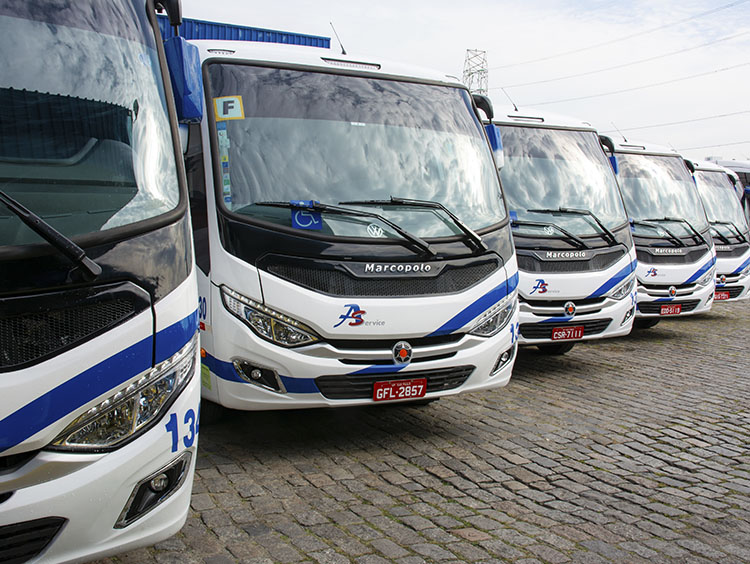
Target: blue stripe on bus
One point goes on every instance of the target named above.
(173, 338)
(614, 281)
(300, 385)
(475, 309)
(742, 267)
(101, 378)
(701, 271)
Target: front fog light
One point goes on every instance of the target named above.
(266, 322)
(503, 360)
(707, 278)
(628, 315)
(155, 489)
(623, 289)
(497, 317)
(131, 410)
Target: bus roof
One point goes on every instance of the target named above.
(508, 115)
(322, 59)
(645, 148)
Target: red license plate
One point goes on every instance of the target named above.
(399, 389)
(721, 295)
(670, 309)
(567, 333)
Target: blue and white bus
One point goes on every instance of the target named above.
(729, 228)
(676, 255)
(98, 295)
(350, 230)
(576, 257)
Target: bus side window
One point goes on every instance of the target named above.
(196, 182)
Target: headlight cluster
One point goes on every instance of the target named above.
(745, 271)
(267, 323)
(707, 278)
(129, 412)
(495, 318)
(623, 290)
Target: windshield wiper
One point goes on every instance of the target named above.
(684, 221)
(606, 233)
(318, 207)
(59, 241)
(733, 226)
(473, 237)
(672, 237)
(580, 243)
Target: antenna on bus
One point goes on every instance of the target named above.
(509, 98)
(343, 51)
(620, 132)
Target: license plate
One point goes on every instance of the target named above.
(567, 333)
(721, 295)
(399, 389)
(670, 309)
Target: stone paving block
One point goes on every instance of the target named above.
(600, 455)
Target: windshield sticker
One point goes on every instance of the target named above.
(226, 182)
(305, 219)
(228, 107)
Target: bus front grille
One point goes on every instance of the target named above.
(360, 386)
(21, 542)
(544, 330)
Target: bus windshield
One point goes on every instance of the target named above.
(549, 169)
(288, 135)
(656, 187)
(723, 208)
(86, 144)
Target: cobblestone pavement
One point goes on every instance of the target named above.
(630, 450)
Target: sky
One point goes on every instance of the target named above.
(672, 72)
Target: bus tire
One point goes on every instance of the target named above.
(645, 322)
(211, 412)
(557, 348)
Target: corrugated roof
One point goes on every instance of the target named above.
(201, 29)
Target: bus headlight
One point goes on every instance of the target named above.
(623, 290)
(707, 278)
(745, 271)
(497, 317)
(131, 410)
(268, 324)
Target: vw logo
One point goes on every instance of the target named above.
(570, 309)
(723, 279)
(401, 352)
(374, 230)
(549, 230)
(672, 291)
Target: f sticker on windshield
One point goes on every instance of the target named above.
(228, 107)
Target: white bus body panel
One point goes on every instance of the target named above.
(385, 319)
(656, 281)
(536, 287)
(91, 490)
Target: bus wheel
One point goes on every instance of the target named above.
(558, 348)
(645, 322)
(211, 412)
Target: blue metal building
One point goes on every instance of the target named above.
(201, 29)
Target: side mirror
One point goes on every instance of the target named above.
(485, 104)
(496, 142)
(607, 143)
(174, 11)
(183, 60)
(184, 131)
(613, 162)
(690, 165)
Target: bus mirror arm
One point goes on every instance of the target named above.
(173, 9)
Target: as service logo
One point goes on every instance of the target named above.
(651, 272)
(353, 313)
(540, 288)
